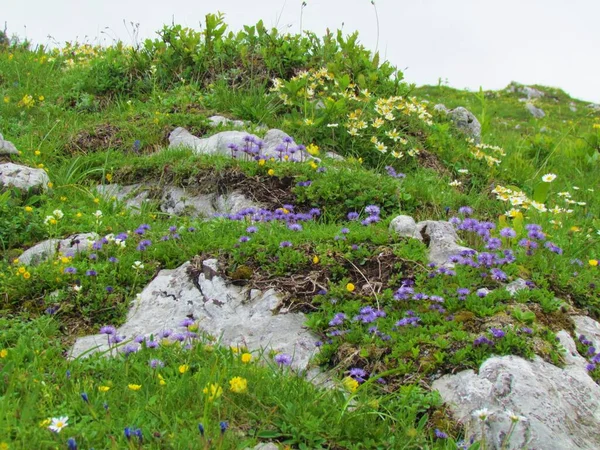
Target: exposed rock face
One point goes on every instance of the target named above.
(218, 144)
(588, 327)
(561, 406)
(47, 249)
(466, 122)
(439, 236)
(22, 177)
(440, 107)
(241, 317)
(177, 201)
(536, 112)
(7, 147)
(526, 90)
(442, 240)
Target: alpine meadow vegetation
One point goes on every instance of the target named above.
(524, 201)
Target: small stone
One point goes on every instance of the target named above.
(23, 177)
(466, 122)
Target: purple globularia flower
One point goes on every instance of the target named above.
(113, 260)
(372, 210)
(130, 348)
(553, 248)
(244, 239)
(465, 210)
(285, 244)
(463, 292)
(251, 229)
(295, 227)
(345, 231)
(481, 340)
(91, 273)
(108, 329)
(93, 256)
(186, 322)
(150, 344)
(493, 244)
(283, 359)
(440, 434)
(156, 363)
(590, 367)
(508, 233)
(338, 319)
(70, 270)
(497, 333)
(144, 244)
(352, 215)
(498, 275)
(172, 228)
(358, 374)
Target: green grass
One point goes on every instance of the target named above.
(105, 118)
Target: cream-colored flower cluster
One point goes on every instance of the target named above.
(519, 201)
(485, 151)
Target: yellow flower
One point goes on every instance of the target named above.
(238, 385)
(350, 384)
(44, 423)
(308, 122)
(96, 200)
(315, 259)
(41, 98)
(246, 358)
(271, 172)
(78, 214)
(22, 269)
(183, 368)
(50, 185)
(3, 353)
(213, 391)
(134, 387)
(3, 446)
(28, 209)
(161, 381)
(6, 99)
(27, 275)
(312, 149)
(37, 153)
(103, 388)
(350, 287)
(574, 229)
(261, 162)
(313, 164)
(109, 177)
(593, 262)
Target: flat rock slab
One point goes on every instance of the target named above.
(561, 405)
(238, 316)
(47, 249)
(7, 147)
(23, 177)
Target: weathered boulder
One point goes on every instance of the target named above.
(589, 328)
(134, 195)
(442, 240)
(23, 177)
(177, 201)
(405, 226)
(515, 286)
(440, 107)
(217, 144)
(557, 408)
(7, 147)
(466, 122)
(594, 106)
(536, 112)
(573, 107)
(236, 315)
(529, 91)
(69, 246)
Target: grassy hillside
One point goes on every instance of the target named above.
(389, 321)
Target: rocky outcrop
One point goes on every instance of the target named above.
(553, 408)
(439, 236)
(466, 122)
(7, 147)
(536, 112)
(47, 249)
(235, 315)
(23, 177)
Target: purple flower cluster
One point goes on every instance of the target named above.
(593, 356)
(368, 314)
(410, 318)
(373, 211)
(392, 172)
(358, 374)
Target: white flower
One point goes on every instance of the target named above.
(576, 188)
(463, 171)
(381, 147)
(515, 417)
(76, 287)
(58, 214)
(455, 183)
(98, 214)
(332, 125)
(49, 219)
(482, 414)
(57, 424)
(581, 203)
(549, 178)
(138, 265)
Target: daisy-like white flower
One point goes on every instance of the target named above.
(58, 214)
(98, 214)
(549, 178)
(137, 265)
(455, 183)
(482, 414)
(515, 417)
(381, 147)
(58, 423)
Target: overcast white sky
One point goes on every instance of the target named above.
(470, 43)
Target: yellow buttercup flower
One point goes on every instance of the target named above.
(103, 388)
(27, 275)
(183, 368)
(109, 177)
(22, 270)
(238, 385)
(161, 381)
(593, 262)
(37, 153)
(312, 149)
(350, 287)
(3, 353)
(315, 259)
(313, 164)
(4, 446)
(213, 391)
(28, 209)
(350, 384)
(246, 358)
(134, 387)
(271, 172)
(261, 162)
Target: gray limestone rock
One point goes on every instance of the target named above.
(236, 315)
(216, 121)
(515, 286)
(442, 240)
(133, 195)
(466, 122)
(561, 406)
(216, 144)
(440, 107)
(405, 226)
(536, 112)
(7, 147)
(69, 246)
(23, 177)
(573, 107)
(588, 327)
